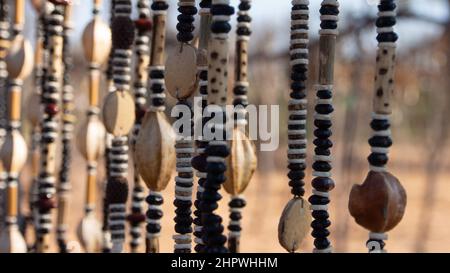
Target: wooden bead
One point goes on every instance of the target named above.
(241, 163)
(155, 151)
(97, 41)
(379, 203)
(12, 241)
(294, 224)
(91, 139)
(118, 113)
(181, 72)
(384, 80)
(14, 152)
(90, 234)
(20, 57)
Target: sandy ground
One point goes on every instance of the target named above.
(268, 193)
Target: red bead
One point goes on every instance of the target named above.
(136, 218)
(143, 25)
(46, 203)
(51, 109)
(61, 2)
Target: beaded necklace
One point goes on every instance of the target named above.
(241, 164)
(322, 182)
(68, 118)
(51, 98)
(295, 219)
(199, 161)
(155, 144)
(142, 54)
(14, 149)
(217, 149)
(181, 82)
(118, 116)
(379, 203)
(91, 137)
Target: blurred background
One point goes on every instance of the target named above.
(419, 157)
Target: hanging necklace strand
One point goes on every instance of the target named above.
(322, 182)
(241, 163)
(155, 152)
(295, 219)
(14, 149)
(379, 203)
(217, 150)
(199, 161)
(142, 55)
(68, 117)
(118, 116)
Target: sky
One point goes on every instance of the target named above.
(275, 15)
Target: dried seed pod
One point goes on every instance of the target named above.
(294, 224)
(14, 152)
(91, 139)
(90, 233)
(379, 203)
(182, 83)
(155, 151)
(20, 58)
(241, 164)
(118, 113)
(96, 41)
(12, 241)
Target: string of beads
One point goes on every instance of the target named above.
(199, 161)
(381, 137)
(322, 182)
(217, 149)
(142, 53)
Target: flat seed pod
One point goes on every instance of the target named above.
(20, 58)
(97, 41)
(91, 139)
(379, 203)
(89, 233)
(12, 241)
(241, 164)
(14, 152)
(294, 224)
(33, 109)
(155, 151)
(118, 113)
(181, 72)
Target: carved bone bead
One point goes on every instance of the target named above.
(379, 203)
(241, 164)
(155, 151)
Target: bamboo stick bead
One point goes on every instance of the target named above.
(327, 46)
(159, 38)
(15, 101)
(384, 80)
(13, 202)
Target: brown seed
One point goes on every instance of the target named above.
(379, 203)
(118, 113)
(14, 152)
(241, 164)
(12, 241)
(20, 58)
(181, 72)
(91, 139)
(155, 151)
(96, 41)
(294, 224)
